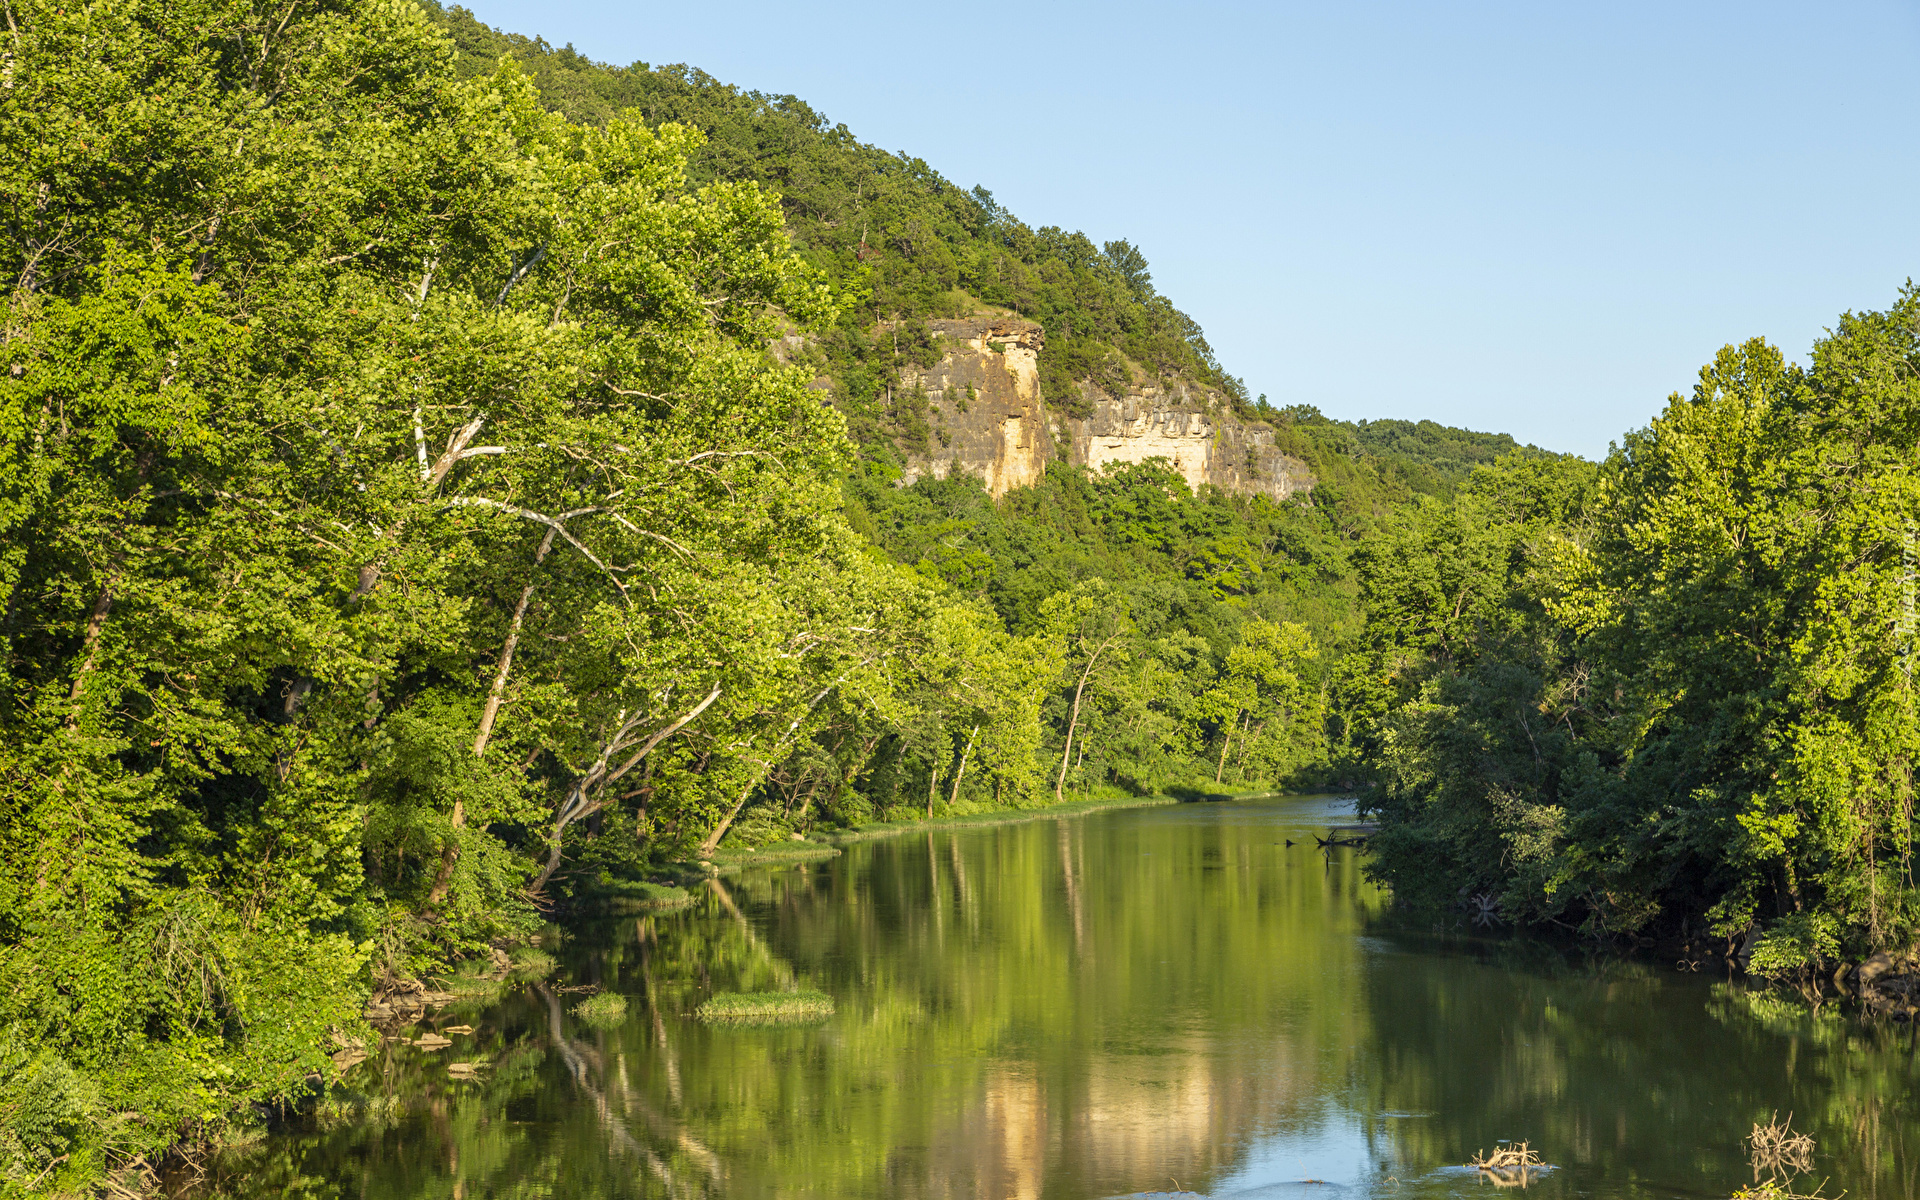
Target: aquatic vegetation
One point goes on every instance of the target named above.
(530, 963)
(602, 1009)
(766, 1008)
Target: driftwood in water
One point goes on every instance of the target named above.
(1347, 835)
(1777, 1150)
(1509, 1165)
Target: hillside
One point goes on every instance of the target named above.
(423, 522)
(903, 246)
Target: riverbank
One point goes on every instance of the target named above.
(1007, 816)
(1015, 816)
(823, 844)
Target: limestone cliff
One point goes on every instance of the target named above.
(989, 420)
(984, 394)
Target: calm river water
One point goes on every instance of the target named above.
(1122, 1003)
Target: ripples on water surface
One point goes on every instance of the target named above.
(1109, 1005)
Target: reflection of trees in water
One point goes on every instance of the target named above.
(614, 1104)
(1086, 1008)
(1049, 1009)
(1855, 1084)
(1623, 1070)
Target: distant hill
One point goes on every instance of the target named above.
(907, 245)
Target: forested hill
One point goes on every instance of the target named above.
(897, 238)
(898, 241)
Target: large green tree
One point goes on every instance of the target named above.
(1690, 705)
(384, 457)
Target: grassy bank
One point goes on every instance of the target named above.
(1004, 816)
(780, 853)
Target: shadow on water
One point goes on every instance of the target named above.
(1145, 1002)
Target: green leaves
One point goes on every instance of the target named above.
(1724, 713)
(311, 348)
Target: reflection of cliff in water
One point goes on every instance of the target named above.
(1094, 1008)
(1181, 1116)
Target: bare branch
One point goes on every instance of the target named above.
(340, 258)
(731, 454)
(520, 272)
(661, 736)
(456, 442)
(597, 779)
(658, 537)
(620, 391)
(542, 518)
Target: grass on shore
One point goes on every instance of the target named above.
(1001, 816)
(779, 852)
(633, 895)
(765, 1008)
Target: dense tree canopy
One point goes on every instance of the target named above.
(1675, 693)
(418, 520)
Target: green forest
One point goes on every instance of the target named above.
(411, 535)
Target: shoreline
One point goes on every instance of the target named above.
(875, 830)
(1014, 816)
(825, 844)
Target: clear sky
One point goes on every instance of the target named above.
(1538, 218)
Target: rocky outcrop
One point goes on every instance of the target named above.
(985, 399)
(989, 421)
(1196, 433)
(1888, 984)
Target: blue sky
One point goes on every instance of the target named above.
(1536, 218)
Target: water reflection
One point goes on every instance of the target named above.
(1126, 1003)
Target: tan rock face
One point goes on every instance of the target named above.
(985, 395)
(986, 407)
(1196, 433)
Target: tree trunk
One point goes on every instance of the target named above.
(1073, 722)
(1249, 734)
(1240, 761)
(90, 643)
(961, 773)
(450, 853)
(719, 831)
(498, 691)
(1223, 746)
(933, 787)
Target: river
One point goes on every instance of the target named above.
(1126, 1002)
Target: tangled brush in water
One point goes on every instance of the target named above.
(1510, 1165)
(1779, 1152)
(1776, 1149)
